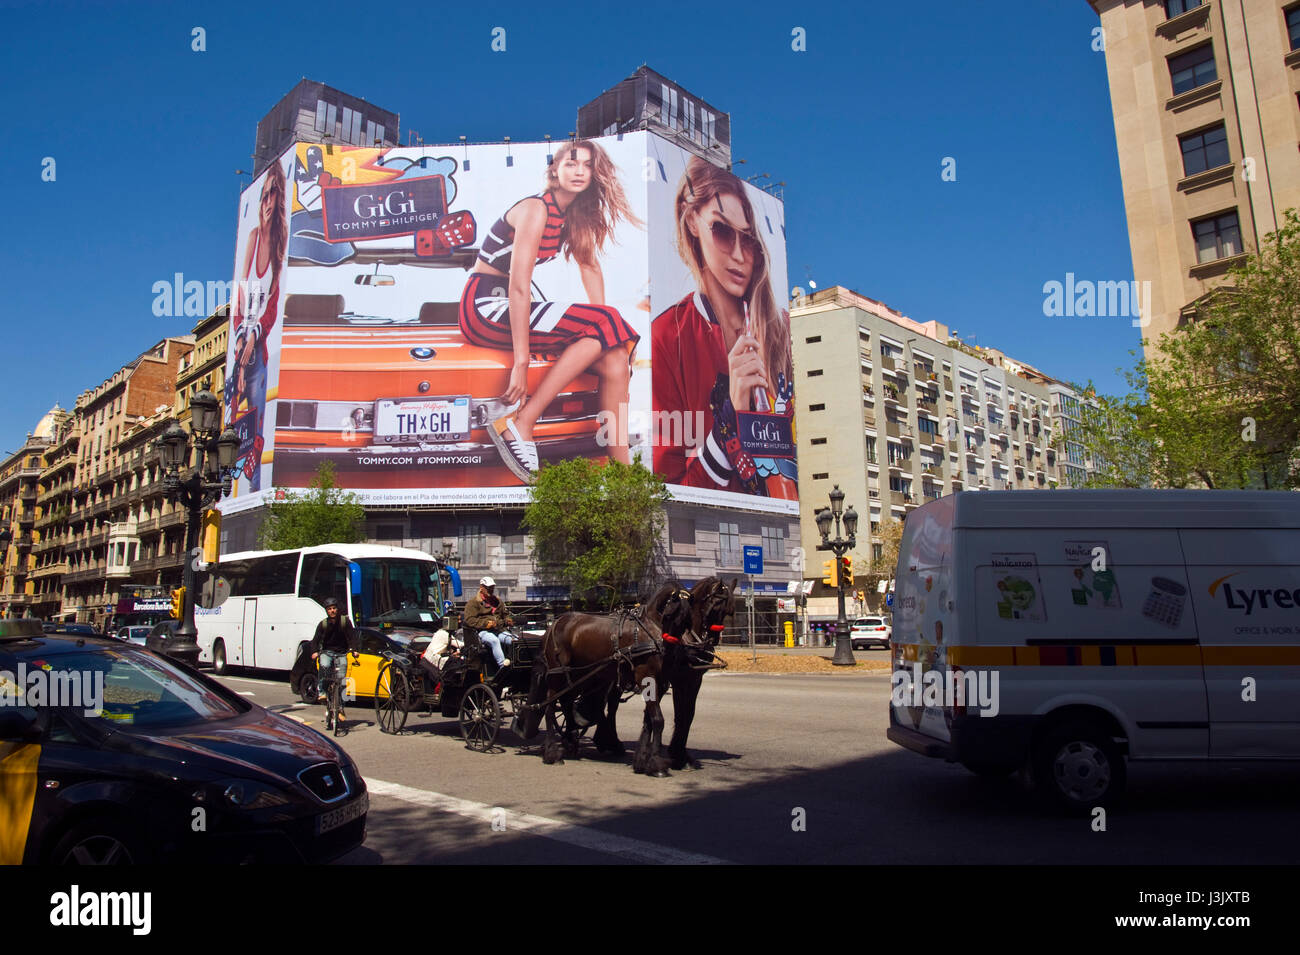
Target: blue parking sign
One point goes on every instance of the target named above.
(753, 560)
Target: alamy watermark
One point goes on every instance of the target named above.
(1084, 298)
(179, 297)
(38, 686)
(661, 429)
(946, 688)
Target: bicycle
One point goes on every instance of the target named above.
(331, 684)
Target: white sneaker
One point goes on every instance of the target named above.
(520, 456)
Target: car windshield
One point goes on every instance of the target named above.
(400, 591)
(125, 688)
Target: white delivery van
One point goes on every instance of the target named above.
(1067, 632)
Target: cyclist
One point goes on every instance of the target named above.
(335, 636)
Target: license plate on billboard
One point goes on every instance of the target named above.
(422, 419)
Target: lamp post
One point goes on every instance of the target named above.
(204, 485)
(839, 546)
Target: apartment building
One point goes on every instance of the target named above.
(1206, 99)
(105, 526)
(205, 365)
(899, 412)
(20, 474)
(54, 504)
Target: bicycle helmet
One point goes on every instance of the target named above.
(330, 602)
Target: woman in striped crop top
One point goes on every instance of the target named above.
(576, 216)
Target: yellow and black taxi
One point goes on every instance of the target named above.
(112, 754)
(363, 670)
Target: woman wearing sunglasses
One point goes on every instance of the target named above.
(723, 349)
(576, 215)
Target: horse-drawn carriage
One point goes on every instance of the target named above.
(574, 678)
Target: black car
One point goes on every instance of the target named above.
(113, 754)
(80, 629)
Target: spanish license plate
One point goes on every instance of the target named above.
(422, 419)
(328, 821)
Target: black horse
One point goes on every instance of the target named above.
(684, 663)
(592, 656)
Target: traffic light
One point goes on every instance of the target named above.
(178, 603)
(828, 572)
(847, 572)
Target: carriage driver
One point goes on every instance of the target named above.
(488, 615)
(334, 638)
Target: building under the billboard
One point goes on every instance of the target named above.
(381, 291)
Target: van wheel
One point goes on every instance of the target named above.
(219, 658)
(1077, 766)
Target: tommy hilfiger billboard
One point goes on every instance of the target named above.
(438, 322)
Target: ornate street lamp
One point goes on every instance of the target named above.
(206, 483)
(839, 546)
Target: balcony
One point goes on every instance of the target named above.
(49, 570)
(149, 526)
(869, 417)
(100, 507)
(172, 519)
(887, 363)
(86, 574)
(164, 561)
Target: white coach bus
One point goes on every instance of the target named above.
(276, 598)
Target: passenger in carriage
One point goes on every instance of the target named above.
(442, 649)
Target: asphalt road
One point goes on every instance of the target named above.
(779, 750)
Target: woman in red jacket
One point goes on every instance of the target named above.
(724, 348)
(576, 215)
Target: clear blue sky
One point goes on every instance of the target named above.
(147, 136)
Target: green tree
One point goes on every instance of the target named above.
(1217, 401)
(325, 514)
(867, 574)
(596, 526)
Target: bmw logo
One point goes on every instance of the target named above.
(422, 353)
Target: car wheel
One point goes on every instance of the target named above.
(106, 841)
(1077, 766)
(219, 658)
(307, 690)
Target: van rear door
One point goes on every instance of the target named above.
(1245, 587)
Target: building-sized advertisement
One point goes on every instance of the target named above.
(439, 322)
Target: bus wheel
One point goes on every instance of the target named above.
(307, 690)
(1077, 766)
(219, 658)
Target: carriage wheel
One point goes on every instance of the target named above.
(480, 717)
(392, 698)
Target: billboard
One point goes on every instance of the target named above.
(438, 322)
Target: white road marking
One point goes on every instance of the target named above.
(633, 850)
(246, 693)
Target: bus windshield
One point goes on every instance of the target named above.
(399, 591)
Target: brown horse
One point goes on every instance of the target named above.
(584, 654)
(684, 663)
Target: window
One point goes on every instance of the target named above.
(877, 552)
(681, 535)
(773, 543)
(320, 117)
(818, 407)
(816, 372)
(927, 426)
(1175, 7)
(1204, 150)
(1293, 26)
(871, 449)
(728, 544)
(471, 544)
(1217, 237)
(818, 440)
(1192, 69)
(513, 545)
(388, 532)
(813, 340)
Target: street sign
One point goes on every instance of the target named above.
(753, 560)
(889, 599)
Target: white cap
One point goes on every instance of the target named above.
(487, 582)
